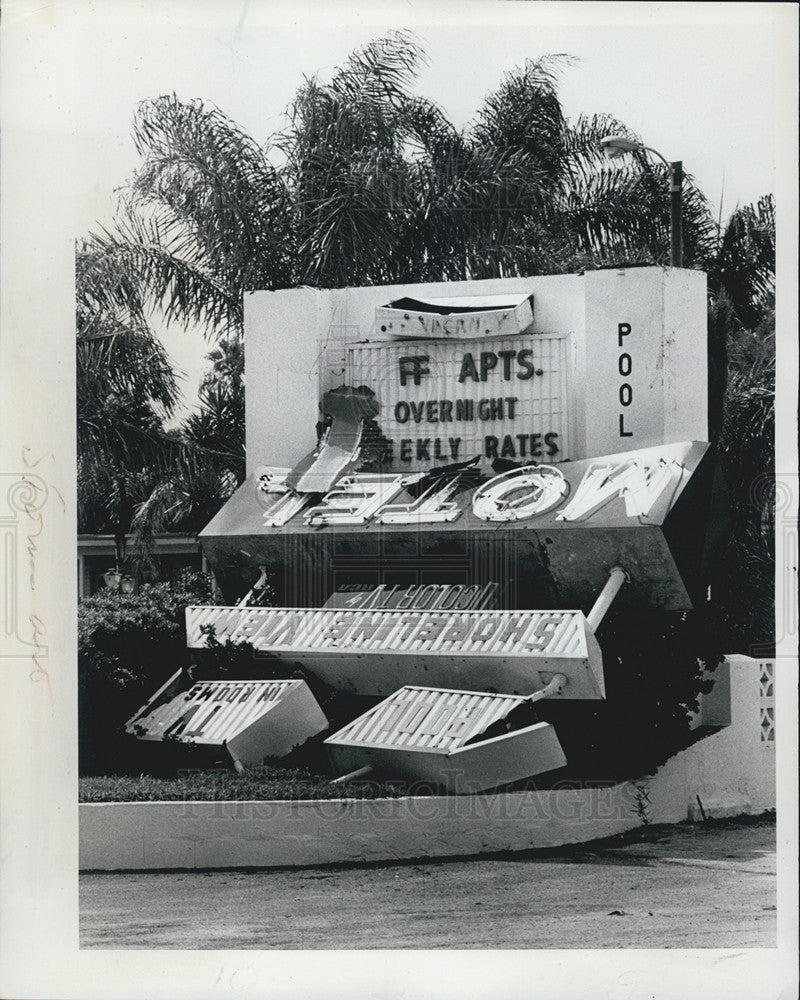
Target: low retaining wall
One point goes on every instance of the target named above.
(730, 772)
(243, 834)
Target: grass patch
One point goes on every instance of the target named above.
(256, 783)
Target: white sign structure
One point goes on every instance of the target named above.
(376, 651)
(248, 720)
(456, 318)
(429, 734)
(621, 352)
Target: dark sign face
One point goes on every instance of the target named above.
(433, 597)
(645, 510)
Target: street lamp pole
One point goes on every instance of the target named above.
(616, 146)
(676, 219)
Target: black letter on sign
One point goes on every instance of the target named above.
(622, 432)
(468, 369)
(522, 359)
(625, 365)
(490, 442)
(488, 361)
(550, 441)
(623, 329)
(508, 357)
(417, 370)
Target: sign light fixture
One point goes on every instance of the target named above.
(355, 499)
(647, 489)
(434, 506)
(279, 502)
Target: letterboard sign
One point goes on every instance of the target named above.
(447, 401)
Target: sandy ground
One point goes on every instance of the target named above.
(664, 887)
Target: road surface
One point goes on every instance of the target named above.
(703, 886)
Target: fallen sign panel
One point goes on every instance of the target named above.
(374, 652)
(250, 720)
(466, 741)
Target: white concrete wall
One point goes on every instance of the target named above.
(151, 835)
(733, 772)
(685, 356)
(282, 345)
(295, 350)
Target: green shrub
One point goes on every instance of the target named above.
(128, 645)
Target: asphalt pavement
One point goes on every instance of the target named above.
(687, 886)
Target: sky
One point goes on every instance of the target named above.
(695, 81)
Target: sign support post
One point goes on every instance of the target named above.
(616, 578)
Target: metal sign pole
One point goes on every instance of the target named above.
(616, 578)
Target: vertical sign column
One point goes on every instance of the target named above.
(623, 406)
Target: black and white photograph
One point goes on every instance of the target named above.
(400, 499)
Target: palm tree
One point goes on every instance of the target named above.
(189, 494)
(370, 183)
(741, 266)
(385, 189)
(741, 285)
(126, 390)
(126, 387)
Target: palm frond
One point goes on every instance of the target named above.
(743, 264)
(217, 183)
(131, 363)
(160, 262)
(525, 114)
(379, 73)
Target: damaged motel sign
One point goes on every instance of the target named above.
(646, 510)
(406, 447)
(643, 510)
